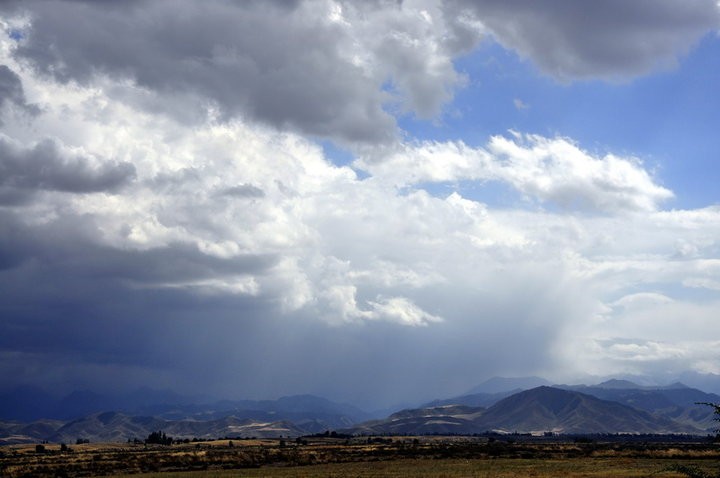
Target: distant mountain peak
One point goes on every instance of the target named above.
(675, 386)
(507, 384)
(619, 384)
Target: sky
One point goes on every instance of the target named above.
(374, 201)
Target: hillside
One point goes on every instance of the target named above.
(137, 415)
(117, 427)
(542, 409)
(676, 401)
(314, 414)
(611, 407)
(444, 420)
(563, 411)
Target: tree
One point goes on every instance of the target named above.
(716, 418)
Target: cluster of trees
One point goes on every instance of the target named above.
(159, 438)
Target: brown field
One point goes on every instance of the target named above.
(361, 457)
(451, 468)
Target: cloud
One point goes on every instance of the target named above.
(11, 90)
(553, 170)
(12, 95)
(557, 170)
(520, 104)
(402, 310)
(611, 39)
(233, 243)
(231, 240)
(317, 66)
(243, 191)
(169, 218)
(661, 360)
(641, 300)
(45, 166)
(702, 283)
(644, 351)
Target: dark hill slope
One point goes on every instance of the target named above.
(677, 402)
(563, 411)
(445, 420)
(117, 427)
(537, 410)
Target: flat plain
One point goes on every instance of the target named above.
(363, 457)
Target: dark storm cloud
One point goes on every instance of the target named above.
(46, 167)
(243, 191)
(77, 309)
(259, 59)
(243, 347)
(11, 91)
(64, 295)
(614, 38)
(70, 247)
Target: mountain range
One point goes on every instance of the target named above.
(676, 401)
(538, 410)
(29, 414)
(500, 405)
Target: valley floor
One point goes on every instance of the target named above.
(362, 457)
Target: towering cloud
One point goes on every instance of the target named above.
(173, 211)
(317, 67)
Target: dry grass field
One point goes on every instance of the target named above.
(452, 468)
(392, 457)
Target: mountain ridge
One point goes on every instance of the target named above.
(612, 406)
(557, 410)
(29, 404)
(538, 410)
